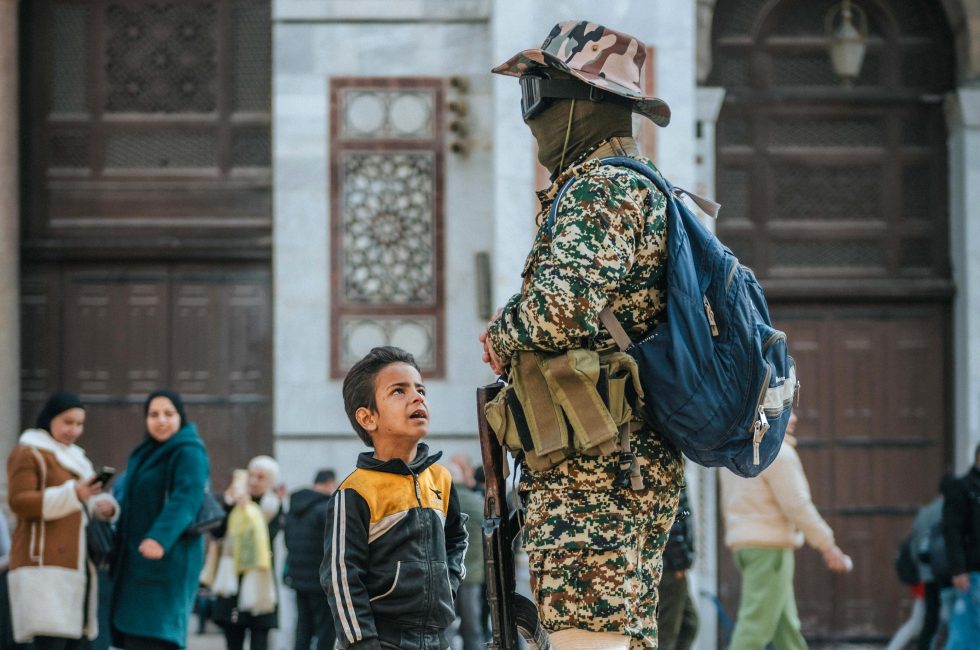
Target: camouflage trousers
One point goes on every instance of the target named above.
(596, 551)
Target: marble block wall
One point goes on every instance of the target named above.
(314, 43)
(488, 193)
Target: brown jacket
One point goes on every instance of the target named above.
(27, 497)
(49, 571)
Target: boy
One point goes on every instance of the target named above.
(394, 540)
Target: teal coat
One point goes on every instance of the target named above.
(153, 598)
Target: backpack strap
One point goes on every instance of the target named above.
(709, 207)
(706, 205)
(608, 318)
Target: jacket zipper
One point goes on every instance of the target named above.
(424, 529)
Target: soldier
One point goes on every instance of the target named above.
(595, 549)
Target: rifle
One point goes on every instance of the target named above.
(510, 613)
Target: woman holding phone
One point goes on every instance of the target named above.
(158, 563)
(53, 492)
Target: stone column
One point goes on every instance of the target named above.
(512, 28)
(963, 121)
(701, 481)
(9, 238)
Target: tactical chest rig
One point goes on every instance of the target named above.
(564, 404)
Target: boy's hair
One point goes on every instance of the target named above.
(359, 383)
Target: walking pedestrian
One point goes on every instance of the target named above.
(677, 616)
(246, 598)
(766, 519)
(469, 599)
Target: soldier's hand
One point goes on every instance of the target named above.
(489, 356)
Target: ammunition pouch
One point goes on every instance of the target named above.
(561, 405)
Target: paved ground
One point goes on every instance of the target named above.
(213, 640)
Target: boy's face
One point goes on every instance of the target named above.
(401, 408)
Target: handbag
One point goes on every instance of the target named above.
(100, 540)
(209, 516)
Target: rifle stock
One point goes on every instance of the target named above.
(511, 614)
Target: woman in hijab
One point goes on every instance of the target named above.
(53, 586)
(245, 581)
(157, 566)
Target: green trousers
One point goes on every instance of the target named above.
(767, 610)
(677, 617)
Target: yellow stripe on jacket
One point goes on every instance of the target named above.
(391, 497)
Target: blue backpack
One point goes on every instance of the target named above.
(717, 377)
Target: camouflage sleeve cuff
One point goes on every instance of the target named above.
(504, 345)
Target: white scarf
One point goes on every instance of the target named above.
(71, 457)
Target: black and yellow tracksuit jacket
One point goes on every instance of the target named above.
(393, 553)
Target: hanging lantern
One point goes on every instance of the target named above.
(847, 41)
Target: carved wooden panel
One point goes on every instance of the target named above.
(148, 120)
(388, 228)
(161, 57)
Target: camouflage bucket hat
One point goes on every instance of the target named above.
(596, 55)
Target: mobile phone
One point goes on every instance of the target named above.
(104, 476)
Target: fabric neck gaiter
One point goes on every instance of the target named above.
(592, 123)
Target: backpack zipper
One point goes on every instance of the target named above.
(711, 317)
(761, 425)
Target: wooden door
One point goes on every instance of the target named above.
(836, 196)
(114, 333)
(147, 217)
(873, 434)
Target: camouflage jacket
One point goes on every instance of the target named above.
(609, 246)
